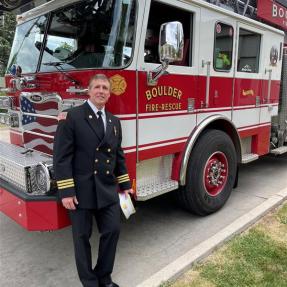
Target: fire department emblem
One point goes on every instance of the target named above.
(273, 56)
(118, 85)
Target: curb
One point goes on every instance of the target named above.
(183, 263)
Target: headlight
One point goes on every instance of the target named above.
(9, 119)
(2, 118)
(14, 120)
(6, 102)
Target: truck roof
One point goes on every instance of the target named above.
(56, 4)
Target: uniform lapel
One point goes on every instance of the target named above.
(91, 118)
(109, 127)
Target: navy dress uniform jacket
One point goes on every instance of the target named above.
(85, 165)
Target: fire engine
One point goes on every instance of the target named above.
(199, 89)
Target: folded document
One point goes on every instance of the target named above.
(126, 205)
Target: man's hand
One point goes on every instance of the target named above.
(128, 191)
(69, 202)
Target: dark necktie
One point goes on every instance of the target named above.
(101, 125)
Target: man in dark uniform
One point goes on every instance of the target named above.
(89, 165)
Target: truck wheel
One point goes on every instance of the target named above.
(211, 173)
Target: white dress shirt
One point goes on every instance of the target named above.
(95, 109)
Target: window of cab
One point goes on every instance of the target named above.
(248, 51)
(85, 35)
(161, 13)
(223, 47)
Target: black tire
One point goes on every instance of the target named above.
(211, 173)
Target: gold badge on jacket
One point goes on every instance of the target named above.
(118, 84)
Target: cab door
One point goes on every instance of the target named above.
(248, 92)
(217, 65)
(166, 109)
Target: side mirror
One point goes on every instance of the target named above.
(171, 42)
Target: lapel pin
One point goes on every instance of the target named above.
(115, 130)
(90, 116)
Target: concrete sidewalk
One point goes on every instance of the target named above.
(183, 263)
(157, 243)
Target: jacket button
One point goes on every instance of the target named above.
(109, 150)
(108, 161)
(95, 172)
(107, 172)
(96, 160)
(97, 149)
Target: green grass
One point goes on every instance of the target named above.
(282, 214)
(257, 258)
(252, 260)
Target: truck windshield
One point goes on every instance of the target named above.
(27, 44)
(90, 34)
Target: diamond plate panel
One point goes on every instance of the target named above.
(17, 167)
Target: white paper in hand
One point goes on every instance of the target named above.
(126, 205)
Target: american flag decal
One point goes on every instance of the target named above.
(34, 120)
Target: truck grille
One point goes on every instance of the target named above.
(39, 113)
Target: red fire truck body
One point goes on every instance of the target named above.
(187, 130)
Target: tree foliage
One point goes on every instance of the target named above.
(8, 24)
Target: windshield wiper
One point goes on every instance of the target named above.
(54, 64)
(58, 65)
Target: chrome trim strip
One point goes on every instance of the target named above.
(269, 84)
(40, 116)
(137, 116)
(38, 134)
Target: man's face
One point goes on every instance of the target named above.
(99, 92)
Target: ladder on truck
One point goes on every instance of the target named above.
(246, 8)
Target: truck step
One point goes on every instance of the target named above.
(249, 157)
(279, 150)
(155, 189)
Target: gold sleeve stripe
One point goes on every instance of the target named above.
(123, 180)
(66, 186)
(65, 181)
(124, 175)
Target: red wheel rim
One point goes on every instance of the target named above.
(215, 173)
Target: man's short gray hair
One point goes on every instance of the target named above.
(99, 77)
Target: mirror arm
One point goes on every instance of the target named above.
(159, 71)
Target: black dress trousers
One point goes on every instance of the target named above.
(108, 222)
